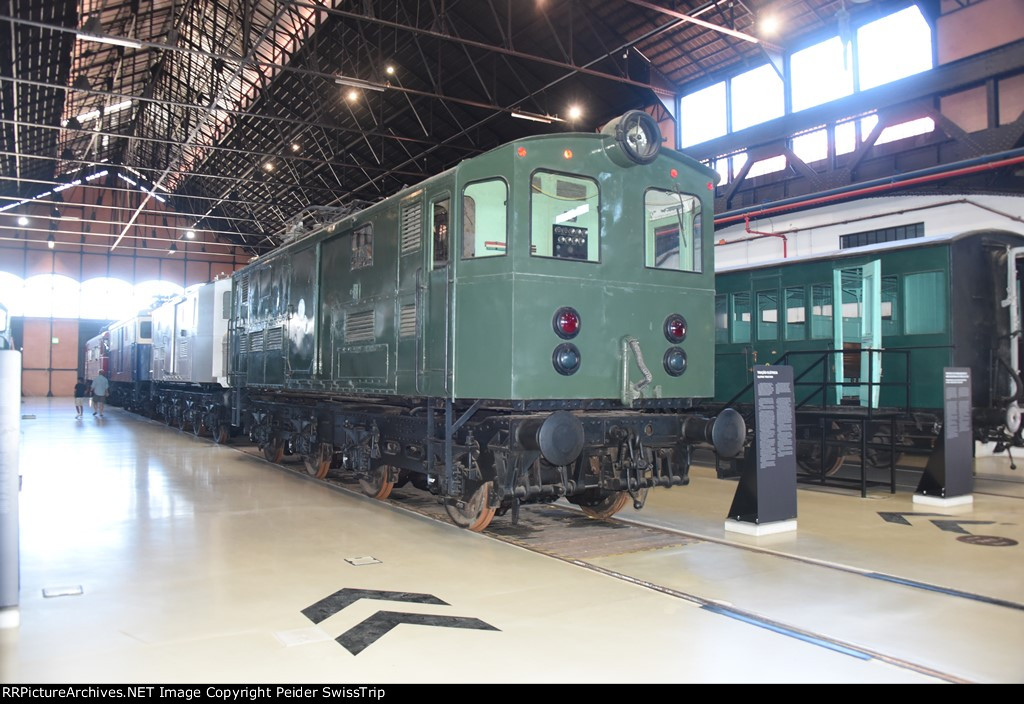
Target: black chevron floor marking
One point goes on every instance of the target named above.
(954, 526)
(328, 606)
(356, 639)
(898, 516)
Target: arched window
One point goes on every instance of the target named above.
(12, 292)
(51, 295)
(149, 291)
(107, 299)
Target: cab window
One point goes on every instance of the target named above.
(484, 219)
(564, 217)
(672, 230)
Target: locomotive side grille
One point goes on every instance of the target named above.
(183, 349)
(407, 320)
(359, 326)
(256, 341)
(243, 344)
(275, 339)
(245, 289)
(411, 219)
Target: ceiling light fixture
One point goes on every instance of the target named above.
(191, 234)
(358, 83)
(51, 242)
(92, 31)
(23, 221)
(546, 119)
(390, 70)
(173, 249)
(575, 112)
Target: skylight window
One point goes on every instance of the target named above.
(893, 47)
(703, 115)
(819, 74)
(757, 96)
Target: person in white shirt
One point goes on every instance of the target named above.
(99, 393)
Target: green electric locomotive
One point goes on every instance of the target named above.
(534, 323)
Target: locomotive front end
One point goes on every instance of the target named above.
(604, 317)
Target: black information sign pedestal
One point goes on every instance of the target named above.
(765, 500)
(948, 478)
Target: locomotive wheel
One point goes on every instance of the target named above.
(475, 514)
(182, 422)
(379, 485)
(199, 428)
(222, 434)
(833, 461)
(319, 463)
(606, 506)
(273, 451)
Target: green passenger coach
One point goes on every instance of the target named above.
(536, 322)
(925, 303)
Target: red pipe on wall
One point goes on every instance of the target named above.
(876, 189)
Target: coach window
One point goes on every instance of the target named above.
(924, 302)
(890, 305)
(484, 219)
(672, 230)
(564, 216)
(768, 315)
(441, 210)
(721, 319)
(821, 311)
(796, 313)
(740, 322)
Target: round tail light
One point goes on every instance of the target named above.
(675, 361)
(566, 323)
(675, 328)
(566, 359)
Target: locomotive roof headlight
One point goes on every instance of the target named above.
(566, 359)
(675, 328)
(675, 361)
(566, 323)
(637, 138)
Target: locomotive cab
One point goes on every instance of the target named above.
(582, 287)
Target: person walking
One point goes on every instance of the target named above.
(81, 389)
(99, 393)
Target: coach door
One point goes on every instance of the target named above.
(856, 326)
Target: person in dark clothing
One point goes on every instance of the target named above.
(81, 392)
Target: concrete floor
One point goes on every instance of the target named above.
(196, 562)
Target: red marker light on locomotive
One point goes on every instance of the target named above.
(567, 153)
(711, 186)
(673, 173)
(521, 151)
(675, 328)
(566, 323)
